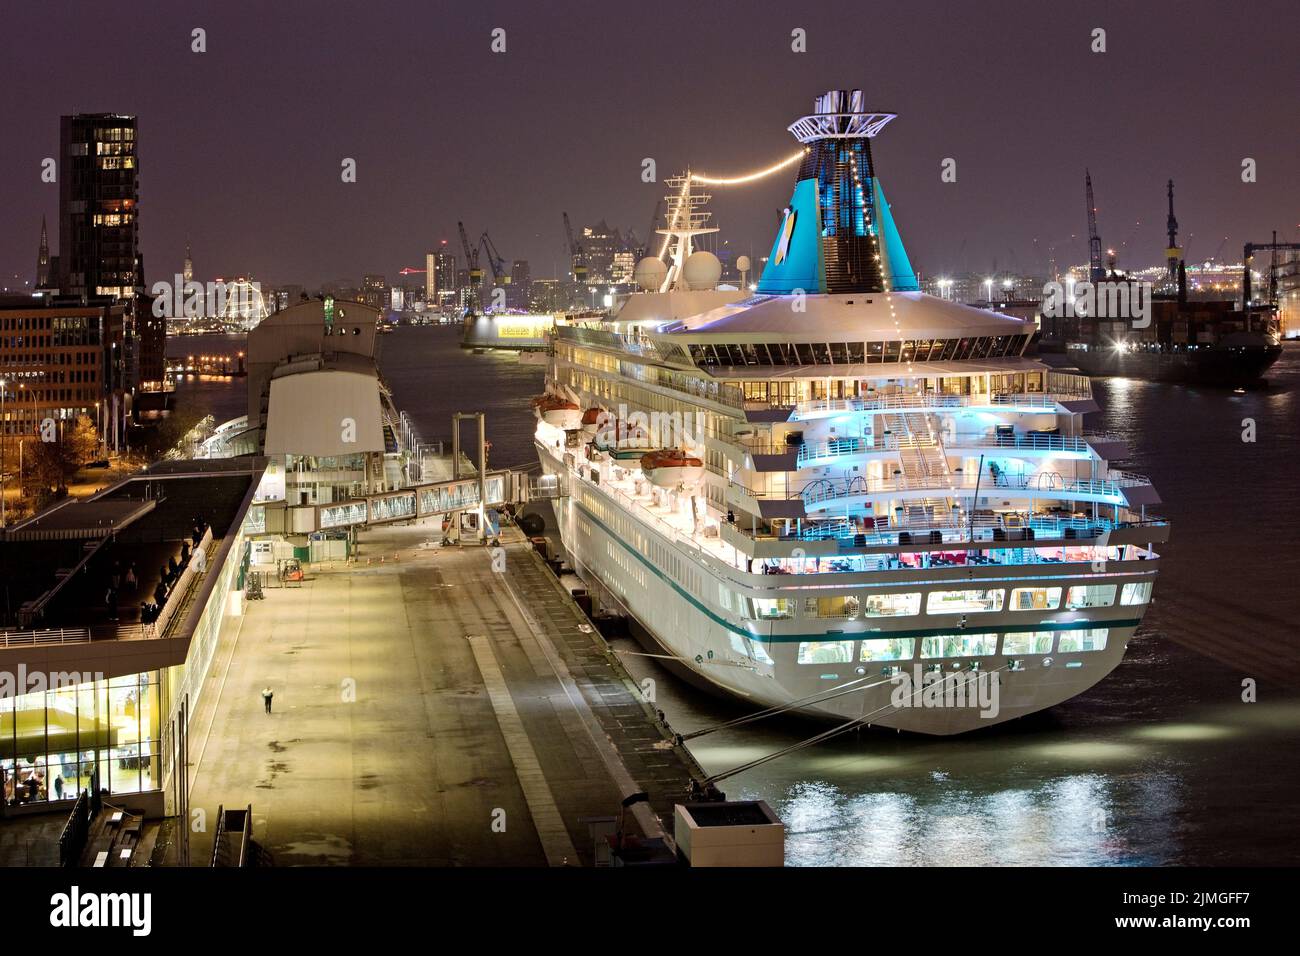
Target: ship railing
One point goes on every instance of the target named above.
(1044, 400)
(667, 529)
(834, 448)
(1020, 442)
(960, 529)
(825, 489)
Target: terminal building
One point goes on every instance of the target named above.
(115, 605)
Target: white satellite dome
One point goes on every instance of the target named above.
(702, 270)
(743, 263)
(650, 273)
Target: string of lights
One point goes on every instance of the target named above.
(749, 177)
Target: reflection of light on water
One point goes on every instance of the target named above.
(1184, 732)
(856, 764)
(1069, 820)
(1086, 751)
(719, 757)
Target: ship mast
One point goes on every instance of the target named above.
(686, 217)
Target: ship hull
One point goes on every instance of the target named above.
(669, 605)
(1241, 366)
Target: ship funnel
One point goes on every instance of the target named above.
(837, 234)
(839, 105)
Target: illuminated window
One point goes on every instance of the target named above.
(888, 649)
(1136, 592)
(825, 652)
(960, 645)
(1034, 642)
(774, 608)
(1090, 595)
(892, 605)
(964, 602)
(1090, 639)
(1035, 599)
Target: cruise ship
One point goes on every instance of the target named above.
(815, 494)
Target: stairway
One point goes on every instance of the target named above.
(923, 462)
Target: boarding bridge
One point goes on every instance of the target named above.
(406, 504)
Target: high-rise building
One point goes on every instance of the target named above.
(375, 292)
(188, 269)
(43, 259)
(99, 197)
(448, 274)
(517, 292)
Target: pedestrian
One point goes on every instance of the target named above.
(130, 577)
(58, 788)
(267, 694)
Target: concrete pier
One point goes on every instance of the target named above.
(428, 710)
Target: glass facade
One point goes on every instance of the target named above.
(104, 733)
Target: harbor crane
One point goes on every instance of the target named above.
(1248, 253)
(577, 261)
(1096, 271)
(495, 260)
(473, 304)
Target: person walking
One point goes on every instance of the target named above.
(267, 694)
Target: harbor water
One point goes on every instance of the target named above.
(1186, 754)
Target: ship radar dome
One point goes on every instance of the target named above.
(650, 273)
(702, 270)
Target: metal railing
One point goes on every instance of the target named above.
(1044, 400)
(77, 635)
(1006, 533)
(826, 489)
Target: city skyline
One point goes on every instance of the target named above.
(242, 152)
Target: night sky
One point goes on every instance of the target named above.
(240, 147)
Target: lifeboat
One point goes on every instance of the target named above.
(622, 442)
(558, 412)
(592, 419)
(671, 468)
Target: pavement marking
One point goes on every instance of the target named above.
(547, 820)
(645, 816)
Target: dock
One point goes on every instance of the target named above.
(433, 706)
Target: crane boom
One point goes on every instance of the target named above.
(475, 273)
(1096, 272)
(495, 260)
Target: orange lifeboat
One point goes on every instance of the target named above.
(558, 412)
(592, 419)
(671, 468)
